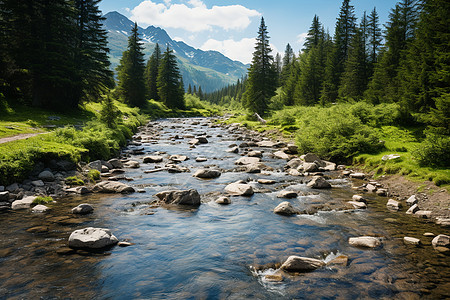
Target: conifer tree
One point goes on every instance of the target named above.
(169, 88)
(109, 113)
(288, 59)
(92, 61)
(315, 34)
(131, 69)
(151, 73)
(189, 89)
(374, 36)
(261, 83)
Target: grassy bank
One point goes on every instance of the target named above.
(359, 134)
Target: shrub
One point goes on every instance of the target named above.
(93, 175)
(74, 180)
(433, 151)
(441, 180)
(283, 118)
(42, 200)
(110, 113)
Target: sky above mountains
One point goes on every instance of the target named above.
(230, 26)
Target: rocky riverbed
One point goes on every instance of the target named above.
(207, 210)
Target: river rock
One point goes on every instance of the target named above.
(186, 197)
(178, 158)
(285, 208)
(247, 160)
(202, 140)
(2, 188)
(392, 204)
(358, 175)
(359, 198)
(194, 142)
(294, 163)
(255, 154)
(281, 155)
(207, 173)
(371, 188)
(310, 157)
(294, 172)
(266, 181)
(413, 209)
(12, 187)
(411, 200)
(411, 241)
(445, 222)
(441, 243)
(95, 238)
(153, 159)
(239, 189)
(4, 196)
(310, 167)
(201, 159)
(233, 150)
(115, 163)
(223, 200)
(79, 190)
(287, 194)
(382, 192)
(365, 241)
(96, 165)
(318, 182)
(83, 209)
(291, 149)
(38, 183)
(132, 164)
(40, 208)
(23, 204)
(425, 214)
(46, 176)
(357, 204)
(266, 144)
(301, 264)
(112, 187)
(340, 260)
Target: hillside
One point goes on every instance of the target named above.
(209, 69)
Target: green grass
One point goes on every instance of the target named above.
(74, 181)
(42, 200)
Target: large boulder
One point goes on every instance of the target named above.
(247, 160)
(310, 157)
(310, 167)
(301, 264)
(365, 241)
(116, 163)
(83, 209)
(285, 208)
(207, 173)
(239, 189)
(46, 176)
(318, 182)
(23, 204)
(186, 197)
(112, 187)
(95, 238)
(294, 163)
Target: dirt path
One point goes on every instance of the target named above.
(19, 137)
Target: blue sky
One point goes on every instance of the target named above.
(230, 26)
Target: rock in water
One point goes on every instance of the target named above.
(23, 204)
(301, 264)
(365, 241)
(112, 187)
(247, 160)
(223, 200)
(285, 208)
(411, 241)
(152, 159)
(83, 209)
(206, 173)
(441, 243)
(186, 197)
(90, 237)
(287, 194)
(394, 205)
(40, 208)
(46, 176)
(318, 182)
(239, 189)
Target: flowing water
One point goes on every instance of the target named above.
(218, 252)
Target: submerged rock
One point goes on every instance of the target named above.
(186, 197)
(95, 238)
(285, 208)
(365, 241)
(301, 264)
(83, 209)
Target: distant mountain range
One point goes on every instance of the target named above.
(209, 69)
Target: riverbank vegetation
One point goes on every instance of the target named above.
(351, 98)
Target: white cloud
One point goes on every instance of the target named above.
(236, 50)
(301, 38)
(195, 18)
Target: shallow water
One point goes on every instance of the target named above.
(218, 252)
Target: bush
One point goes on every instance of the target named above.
(283, 118)
(42, 200)
(93, 175)
(433, 151)
(441, 180)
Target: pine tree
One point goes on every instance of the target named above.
(91, 58)
(189, 89)
(261, 83)
(151, 74)
(278, 67)
(169, 87)
(109, 113)
(345, 29)
(315, 34)
(131, 69)
(200, 92)
(374, 36)
(288, 59)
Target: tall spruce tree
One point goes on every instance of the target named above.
(288, 59)
(169, 88)
(261, 83)
(374, 36)
(91, 57)
(151, 73)
(315, 34)
(130, 71)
